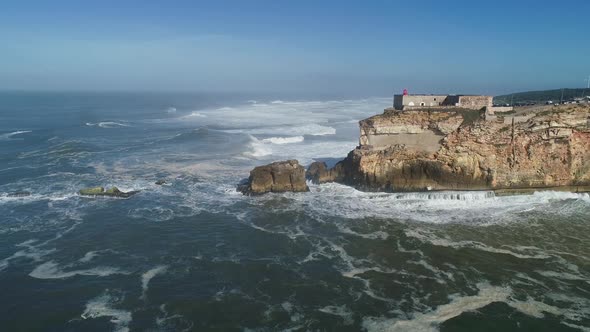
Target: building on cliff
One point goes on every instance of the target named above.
(416, 101)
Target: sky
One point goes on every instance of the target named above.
(371, 48)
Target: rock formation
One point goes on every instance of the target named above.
(279, 176)
(110, 192)
(458, 149)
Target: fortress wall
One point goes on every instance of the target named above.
(451, 101)
(398, 102)
(429, 101)
(475, 101)
(426, 141)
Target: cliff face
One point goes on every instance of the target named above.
(458, 149)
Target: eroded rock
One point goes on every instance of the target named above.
(282, 176)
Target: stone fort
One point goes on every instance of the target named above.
(418, 101)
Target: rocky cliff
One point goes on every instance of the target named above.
(459, 149)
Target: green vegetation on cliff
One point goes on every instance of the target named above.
(541, 96)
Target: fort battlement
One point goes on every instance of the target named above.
(421, 101)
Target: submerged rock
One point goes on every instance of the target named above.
(282, 176)
(110, 192)
(161, 182)
(318, 172)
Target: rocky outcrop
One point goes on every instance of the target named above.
(279, 176)
(110, 192)
(550, 149)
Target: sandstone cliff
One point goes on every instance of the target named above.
(459, 149)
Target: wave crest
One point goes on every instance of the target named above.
(107, 124)
(8, 136)
(284, 140)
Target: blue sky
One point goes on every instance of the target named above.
(348, 47)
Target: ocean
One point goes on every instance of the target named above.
(195, 255)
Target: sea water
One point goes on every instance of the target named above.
(195, 255)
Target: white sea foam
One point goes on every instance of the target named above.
(431, 207)
(102, 306)
(311, 129)
(169, 322)
(33, 248)
(89, 256)
(428, 237)
(6, 198)
(429, 321)
(290, 115)
(304, 153)
(107, 124)
(32, 252)
(148, 276)
(535, 308)
(284, 140)
(155, 213)
(341, 311)
(196, 115)
(7, 136)
(51, 270)
(257, 148)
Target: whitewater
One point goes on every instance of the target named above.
(195, 255)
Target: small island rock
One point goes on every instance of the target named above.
(110, 192)
(282, 176)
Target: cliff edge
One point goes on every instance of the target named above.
(459, 149)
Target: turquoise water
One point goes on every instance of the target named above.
(195, 255)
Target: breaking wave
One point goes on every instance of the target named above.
(107, 124)
(257, 148)
(8, 136)
(284, 140)
(473, 207)
(195, 115)
(312, 129)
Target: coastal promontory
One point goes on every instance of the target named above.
(454, 148)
